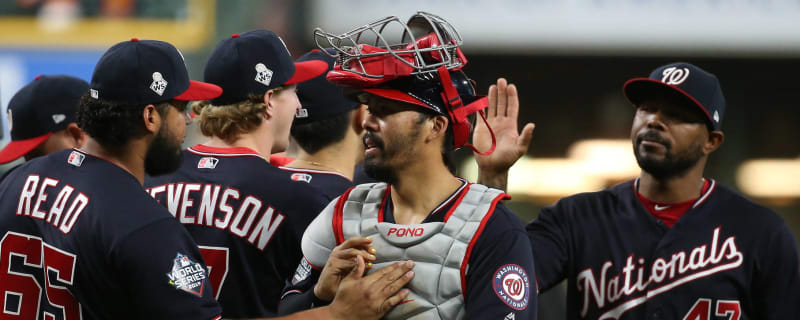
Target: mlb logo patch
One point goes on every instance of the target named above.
(207, 163)
(301, 177)
(187, 275)
(76, 158)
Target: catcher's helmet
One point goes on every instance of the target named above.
(423, 69)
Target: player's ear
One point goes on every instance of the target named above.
(270, 110)
(151, 118)
(715, 139)
(438, 127)
(359, 114)
(76, 134)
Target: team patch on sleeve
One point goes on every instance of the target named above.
(511, 284)
(303, 272)
(187, 275)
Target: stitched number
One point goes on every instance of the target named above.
(730, 308)
(216, 259)
(702, 310)
(20, 293)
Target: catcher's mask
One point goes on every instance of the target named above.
(423, 68)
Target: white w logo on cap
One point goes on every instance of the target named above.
(675, 76)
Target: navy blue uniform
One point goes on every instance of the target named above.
(248, 219)
(82, 239)
(725, 258)
(360, 175)
(501, 243)
(331, 184)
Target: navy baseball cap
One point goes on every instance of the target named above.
(700, 87)
(321, 99)
(44, 106)
(426, 91)
(141, 72)
(254, 62)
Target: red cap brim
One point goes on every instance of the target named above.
(397, 95)
(307, 70)
(19, 148)
(633, 90)
(199, 91)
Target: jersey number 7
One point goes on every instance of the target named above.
(20, 293)
(216, 259)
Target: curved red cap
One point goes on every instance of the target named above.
(307, 70)
(18, 148)
(199, 91)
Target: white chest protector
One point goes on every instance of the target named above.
(440, 250)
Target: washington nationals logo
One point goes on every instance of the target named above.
(674, 76)
(511, 284)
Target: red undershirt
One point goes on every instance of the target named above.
(669, 213)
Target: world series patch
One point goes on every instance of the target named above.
(511, 284)
(302, 272)
(187, 275)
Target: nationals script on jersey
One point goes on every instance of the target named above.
(726, 258)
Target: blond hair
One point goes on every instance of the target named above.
(228, 122)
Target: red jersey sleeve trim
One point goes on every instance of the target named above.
(477, 235)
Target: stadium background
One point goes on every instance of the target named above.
(568, 57)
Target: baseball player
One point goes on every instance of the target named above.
(80, 237)
(328, 131)
(669, 244)
(42, 118)
(247, 216)
(472, 256)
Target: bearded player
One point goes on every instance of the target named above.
(670, 244)
(472, 256)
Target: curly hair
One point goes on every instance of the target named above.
(227, 122)
(113, 124)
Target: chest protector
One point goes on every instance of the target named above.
(440, 250)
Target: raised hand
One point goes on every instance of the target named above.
(502, 115)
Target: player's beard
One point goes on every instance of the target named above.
(164, 154)
(379, 166)
(673, 164)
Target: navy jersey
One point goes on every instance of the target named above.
(360, 175)
(725, 258)
(247, 217)
(331, 184)
(82, 240)
(500, 244)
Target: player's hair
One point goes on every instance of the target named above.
(112, 124)
(315, 135)
(228, 122)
